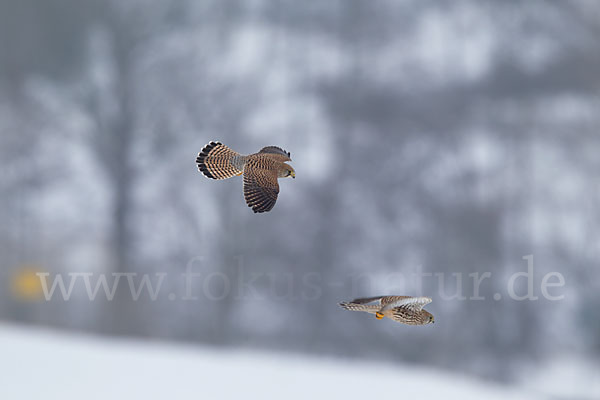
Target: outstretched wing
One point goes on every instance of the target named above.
(277, 150)
(411, 303)
(387, 300)
(260, 188)
(366, 300)
(372, 309)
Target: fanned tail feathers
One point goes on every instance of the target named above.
(217, 161)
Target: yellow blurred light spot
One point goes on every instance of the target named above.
(26, 285)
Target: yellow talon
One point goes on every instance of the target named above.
(378, 315)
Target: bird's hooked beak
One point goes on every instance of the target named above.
(293, 174)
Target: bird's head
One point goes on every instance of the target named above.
(286, 171)
(428, 318)
(378, 315)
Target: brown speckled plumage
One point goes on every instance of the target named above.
(261, 171)
(405, 309)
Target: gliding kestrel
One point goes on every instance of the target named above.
(260, 170)
(405, 309)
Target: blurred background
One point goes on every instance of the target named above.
(441, 138)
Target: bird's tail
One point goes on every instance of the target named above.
(359, 307)
(217, 161)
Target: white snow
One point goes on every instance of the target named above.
(37, 364)
(565, 377)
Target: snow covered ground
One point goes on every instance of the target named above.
(42, 364)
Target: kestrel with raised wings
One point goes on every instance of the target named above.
(405, 309)
(261, 171)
